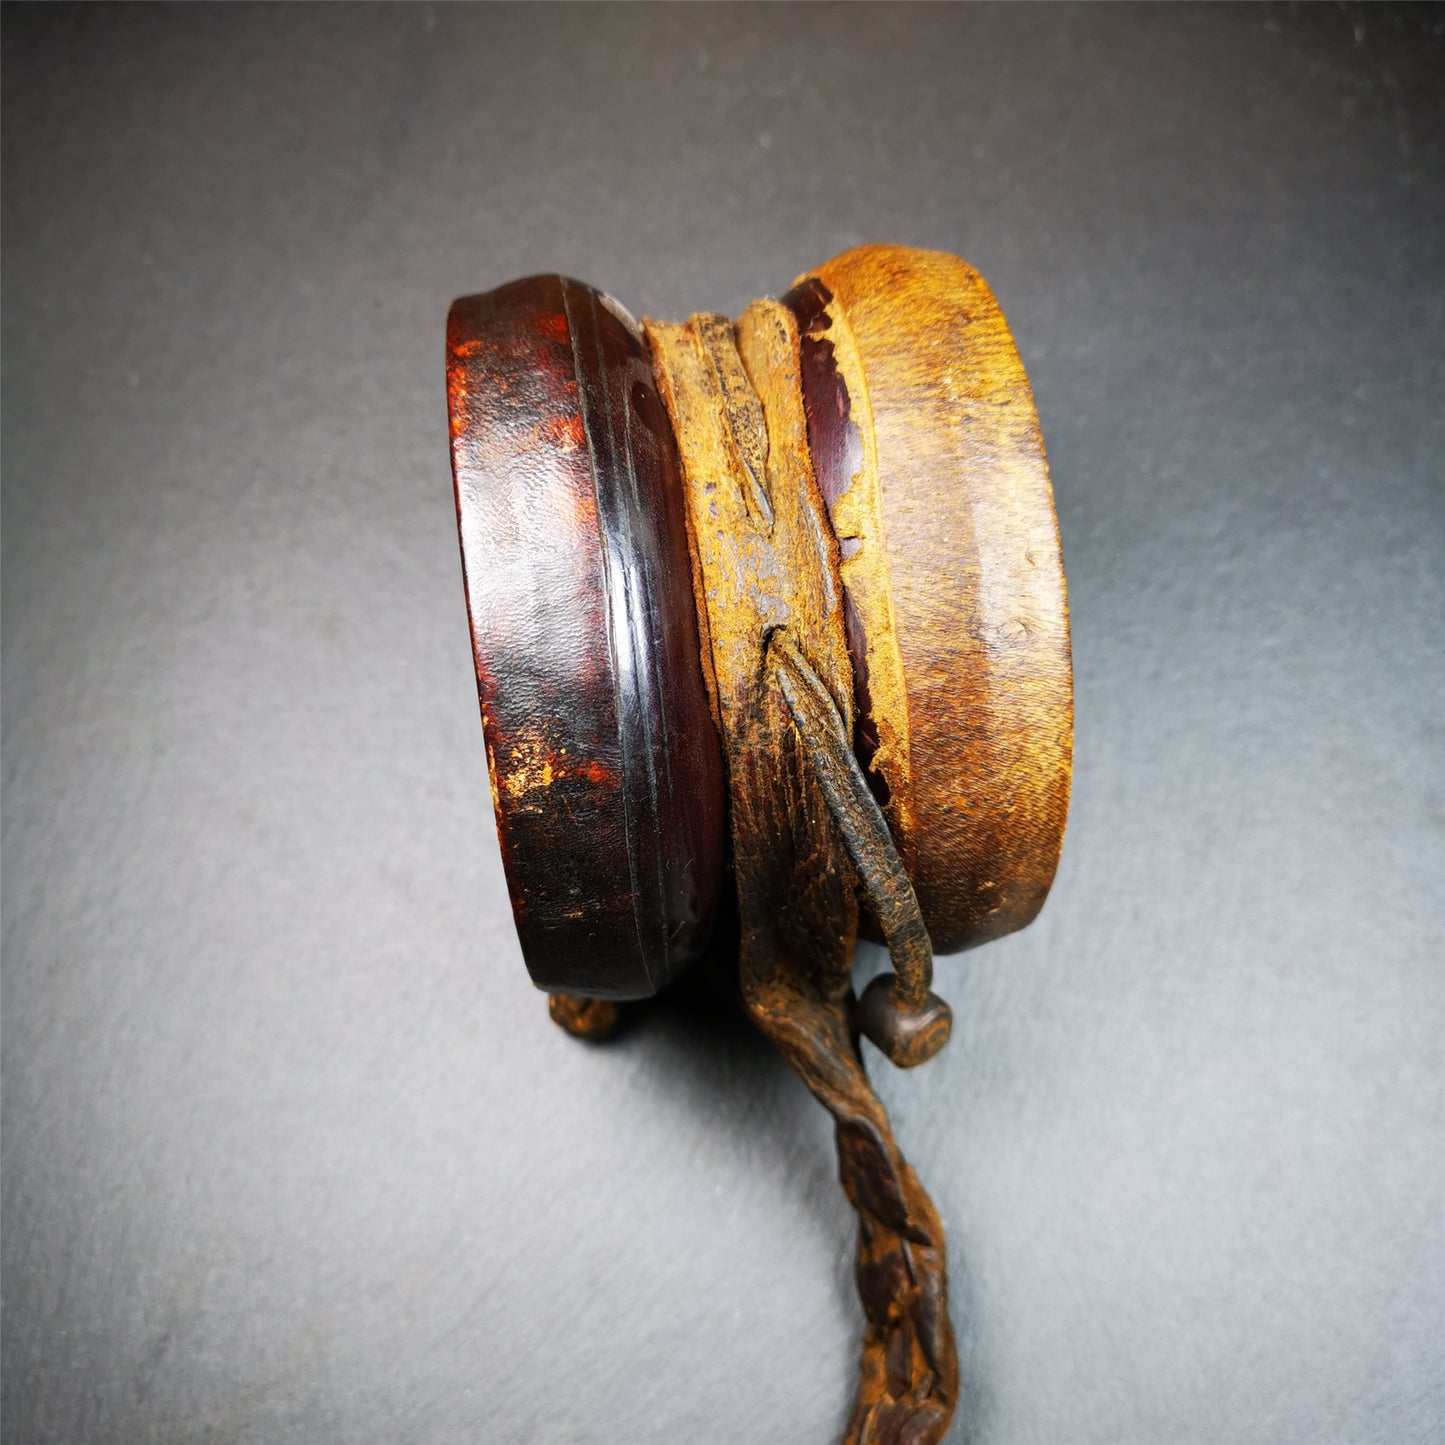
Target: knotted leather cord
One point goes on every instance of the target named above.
(779, 677)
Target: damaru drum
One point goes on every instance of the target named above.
(777, 598)
(606, 767)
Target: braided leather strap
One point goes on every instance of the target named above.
(806, 835)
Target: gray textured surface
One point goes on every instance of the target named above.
(292, 1153)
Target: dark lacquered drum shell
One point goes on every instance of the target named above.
(605, 764)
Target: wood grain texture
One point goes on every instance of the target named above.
(977, 773)
(604, 760)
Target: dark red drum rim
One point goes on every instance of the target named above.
(605, 765)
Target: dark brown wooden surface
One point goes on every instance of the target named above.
(604, 760)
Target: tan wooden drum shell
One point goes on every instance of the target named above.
(950, 556)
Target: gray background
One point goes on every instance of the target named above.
(291, 1151)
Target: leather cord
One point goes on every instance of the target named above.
(807, 835)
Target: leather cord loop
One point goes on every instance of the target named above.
(898, 1012)
(807, 834)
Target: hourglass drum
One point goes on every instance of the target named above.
(769, 624)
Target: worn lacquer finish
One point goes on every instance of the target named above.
(604, 763)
